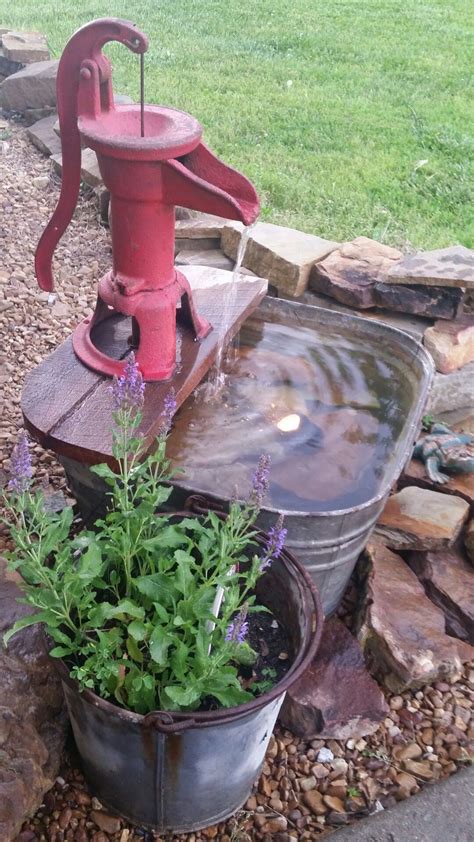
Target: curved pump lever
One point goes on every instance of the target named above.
(85, 45)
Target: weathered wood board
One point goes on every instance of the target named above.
(68, 407)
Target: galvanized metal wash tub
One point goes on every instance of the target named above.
(328, 542)
(181, 772)
(327, 536)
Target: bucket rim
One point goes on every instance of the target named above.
(177, 721)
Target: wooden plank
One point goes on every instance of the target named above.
(67, 407)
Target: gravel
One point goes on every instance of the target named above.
(306, 787)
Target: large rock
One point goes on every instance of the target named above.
(448, 580)
(430, 302)
(451, 344)
(461, 485)
(349, 273)
(418, 519)
(26, 47)
(449, 267)
(7, 66)
(469, 540)
(32, 717)
(414, 325)
(43, 136)
(402, 633)
(282, 255)
(336, 697)
(204, 257)
(33, 87)
(90, 172)
(451, 391)
(198, 226)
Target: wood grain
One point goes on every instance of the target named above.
(67, 407)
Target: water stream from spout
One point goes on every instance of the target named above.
(217, 376)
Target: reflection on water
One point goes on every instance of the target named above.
(327, 410)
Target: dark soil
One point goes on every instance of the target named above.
(273, 646)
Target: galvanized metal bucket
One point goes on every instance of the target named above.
(182, 772)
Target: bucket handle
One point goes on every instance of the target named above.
(165, 724)
(198, 504)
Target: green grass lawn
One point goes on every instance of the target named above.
(351, 116)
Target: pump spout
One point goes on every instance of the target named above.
(200, 181)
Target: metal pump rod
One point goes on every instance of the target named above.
(142, 95)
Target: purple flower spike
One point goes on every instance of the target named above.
(168, 411)
(128, 390)
(275, 542)
(20, 462)
(260, 480)
(238, 629)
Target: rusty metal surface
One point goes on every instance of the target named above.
(185, 771)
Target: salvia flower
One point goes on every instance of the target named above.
(169, 409)
(260, 480)
(275, 542)
(128, 390)
(238, 629)
(20, 465)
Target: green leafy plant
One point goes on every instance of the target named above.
(150, 610)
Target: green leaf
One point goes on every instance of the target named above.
(60, 651)
(157, 587)
(179, 660)
(134, 651)
(90, 563)
(230, 696)
(24, 622)
(184, 577)
(107, 611)
(137, 630)
(182, 696)
(168, 537)
(244, 654)
(160, 642)
(161, 612)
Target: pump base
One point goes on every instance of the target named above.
(74, 421)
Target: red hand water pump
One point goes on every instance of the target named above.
(151, 158)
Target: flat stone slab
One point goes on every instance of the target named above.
(461, 485)
(451, 391)
(414, 325)
(431, 302)
(448, 580)
(438, 813)
(214, 258)
(284, 256)
(199, 226)
(33, 722)
(7, 66)
(43, 136)
(418, 519)
(336, 697)
(350, 272)
(451, 344)
(26, 47)
(448, 267)
(90, 172)
(402, 632)
(469, 540)
(33, 87)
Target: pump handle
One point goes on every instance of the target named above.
(85, 44)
